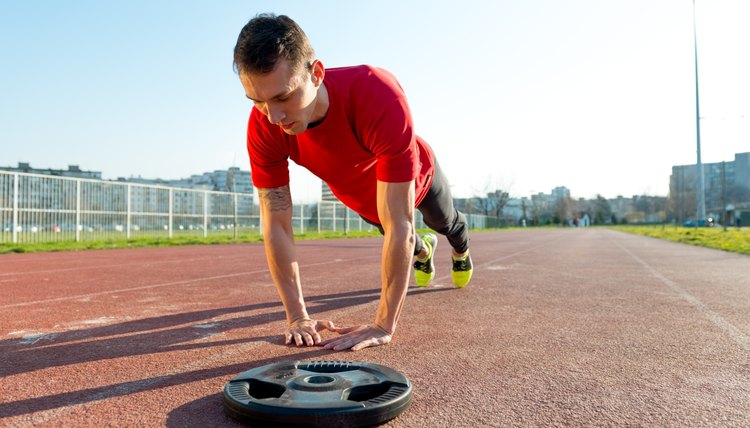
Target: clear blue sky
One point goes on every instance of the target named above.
(523, 95)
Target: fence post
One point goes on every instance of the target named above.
(302, 218)
(346, 220)
(320, 206)
(235, 216)
(79, 226)
(129, 223)
(171, 212)
(15, 208)
(205, 213)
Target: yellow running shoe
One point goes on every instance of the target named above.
(462, 270)
(424, 270)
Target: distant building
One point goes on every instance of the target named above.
(559, 193)
(557, 207)
(230, 180)
(516, 210)
(727, 187)
(326, 194)
(72, 171)
(192, 203)
(620, 207)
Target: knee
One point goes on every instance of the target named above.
(452, 224)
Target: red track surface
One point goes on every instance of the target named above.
(558, 327)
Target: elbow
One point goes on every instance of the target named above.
(275, 228)
(401, 231)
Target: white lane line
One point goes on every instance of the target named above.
(733, 332)
(125, 290)
(44, 417)
(167, 284)
(32, 339)
(206, 325)
(491, 265)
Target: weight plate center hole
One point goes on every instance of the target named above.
(319, 379)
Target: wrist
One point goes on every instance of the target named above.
(384, 329)
(293, 320)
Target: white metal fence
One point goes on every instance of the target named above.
(41, 208)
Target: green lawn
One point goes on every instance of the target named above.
(732, 239)
(162, 242)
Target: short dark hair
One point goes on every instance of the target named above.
(266, 39)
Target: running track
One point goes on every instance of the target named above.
(559, 327)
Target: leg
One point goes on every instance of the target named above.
(441, 216)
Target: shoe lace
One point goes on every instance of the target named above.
(423, 266)
(462, 265)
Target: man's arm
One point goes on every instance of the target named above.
(278, 238)
(396, 211)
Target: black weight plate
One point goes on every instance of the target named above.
(318, 393)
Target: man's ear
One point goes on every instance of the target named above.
(318, 72)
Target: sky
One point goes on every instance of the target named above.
(518, 95)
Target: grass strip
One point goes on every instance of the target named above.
(103, 244)
(732, 239)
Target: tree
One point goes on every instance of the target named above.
(491, 198)
(562, 210)
(601, 209)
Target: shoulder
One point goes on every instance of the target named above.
(366, 79)
(258, 126)
(263, 138)
(363, 71)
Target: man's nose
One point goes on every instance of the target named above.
(275, 114)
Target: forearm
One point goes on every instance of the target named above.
(398, 248)
(278, 238)
(396, 212)
(282, 263)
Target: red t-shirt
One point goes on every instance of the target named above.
(366, 136)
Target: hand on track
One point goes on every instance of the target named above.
(306, 332)
(356, 338)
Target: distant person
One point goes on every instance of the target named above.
(351, 127)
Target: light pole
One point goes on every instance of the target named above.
(700, 191)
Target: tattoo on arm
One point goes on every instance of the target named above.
(276, 199)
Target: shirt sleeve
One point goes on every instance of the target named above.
(268, 152)
(390, 136)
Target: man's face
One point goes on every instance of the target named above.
(286, 99)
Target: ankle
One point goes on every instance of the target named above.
(424, 253)
(459, 256)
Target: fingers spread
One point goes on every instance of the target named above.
(363, 345)
(355, 341)
(354, 337)
(338, 345)
(305, 332)
(347, 330)
(325, 325)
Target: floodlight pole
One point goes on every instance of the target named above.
(700, 186)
